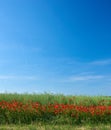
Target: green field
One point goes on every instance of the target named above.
(59, 98)
(55, 127)
(23, 117)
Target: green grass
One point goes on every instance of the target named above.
(55, 127)
(51, 98)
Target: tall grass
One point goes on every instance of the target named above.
(55, 127)
(47, 98)
(51, 108)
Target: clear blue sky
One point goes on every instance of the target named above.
(56, 46)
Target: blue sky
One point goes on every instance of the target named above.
(55, 46)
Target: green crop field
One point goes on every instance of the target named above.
(59, 98)
(54, 112)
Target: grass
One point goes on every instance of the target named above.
(55, 127)
(59, 98)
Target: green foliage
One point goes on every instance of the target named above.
(55, 127)
(47, 116)
(59, 98)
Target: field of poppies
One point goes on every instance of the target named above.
(54, 109)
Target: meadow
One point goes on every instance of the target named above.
(49, 111)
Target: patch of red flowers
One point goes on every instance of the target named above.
(54, 108)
